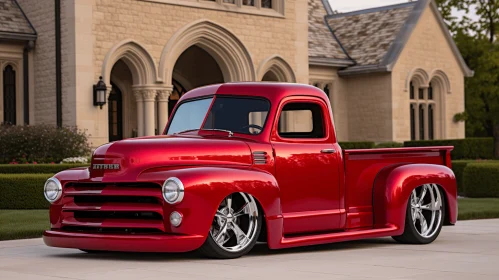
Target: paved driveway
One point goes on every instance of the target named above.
(469, 250)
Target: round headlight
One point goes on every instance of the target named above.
(173, 190)
(52, 190)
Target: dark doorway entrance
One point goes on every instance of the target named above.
(115, 107)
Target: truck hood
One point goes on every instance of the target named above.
(126, 159)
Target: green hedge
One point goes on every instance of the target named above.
(390, 145)
(469, 148)
(23, 191)
(481, 179)
(41, 143)
(458, 167)
(36, 168)
(357, 145)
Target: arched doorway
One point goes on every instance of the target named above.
(194, 68)
(276, 69)
(270, 76)
(115, 114)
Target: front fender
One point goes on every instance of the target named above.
(205, 189)
(394, 185)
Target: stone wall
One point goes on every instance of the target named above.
(429, 50)
(369, 107)
(42, 16)
(337, 95)
(152, 24)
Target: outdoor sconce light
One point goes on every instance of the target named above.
(100, 90)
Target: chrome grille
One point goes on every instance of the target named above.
(107, 207)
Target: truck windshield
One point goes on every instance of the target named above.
(235, 114)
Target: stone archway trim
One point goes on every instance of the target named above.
(420, 76)
(136, 57)
(442, 78)
(278, 66)
(228, 51)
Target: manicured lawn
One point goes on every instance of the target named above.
(478, 208)
(19, 224)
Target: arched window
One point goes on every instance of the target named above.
(422, 112)
(326, 90)
(9, 95)
(412, 90)
(430, 92)
(431, 122)
(421, 121)
(413, 121)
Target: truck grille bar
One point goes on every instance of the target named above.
(113, 208)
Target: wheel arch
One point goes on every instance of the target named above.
(206, 187)
(394, 184)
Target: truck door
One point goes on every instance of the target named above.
(307, 165)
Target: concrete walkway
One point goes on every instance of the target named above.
(469, 250)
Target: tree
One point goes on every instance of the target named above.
(476, 38)
(486, 25)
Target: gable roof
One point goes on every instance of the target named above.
(322, 46)
(368, 34)
(14, 24)
(374, 38)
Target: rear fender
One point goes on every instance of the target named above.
(393, 187)
(205, 189)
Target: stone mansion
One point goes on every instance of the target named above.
(392, 73)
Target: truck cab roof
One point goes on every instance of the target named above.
(274, 92)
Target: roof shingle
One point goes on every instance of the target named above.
(321, 43)
(368, 34)
(12, 19)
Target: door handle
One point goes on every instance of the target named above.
(328, 151)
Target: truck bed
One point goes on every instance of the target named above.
(362, 166)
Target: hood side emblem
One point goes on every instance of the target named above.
(106, 166)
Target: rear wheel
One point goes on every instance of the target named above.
(424, 215)
(235, 228)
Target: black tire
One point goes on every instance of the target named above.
(212, 250)
(411, 234)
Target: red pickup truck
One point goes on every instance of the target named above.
(245, 162)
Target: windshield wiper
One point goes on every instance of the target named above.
(222, 130)
(185, 131)
(207, 129)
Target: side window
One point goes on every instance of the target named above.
(301, 120)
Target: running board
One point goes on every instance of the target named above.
(307, 240)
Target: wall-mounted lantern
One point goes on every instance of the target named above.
(100, 90)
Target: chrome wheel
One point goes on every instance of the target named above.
(235, 224)
(426, 210)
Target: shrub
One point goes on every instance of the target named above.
(458, 167)
(481, 179)
(356, 145)
(469, 148)
(390, 145)
(36, 168)
(23, 191)
(41, 143)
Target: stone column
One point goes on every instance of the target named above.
(163, 96)
(140, 112)
(149, 96)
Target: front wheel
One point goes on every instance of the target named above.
(235, 228)
(424, 216)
